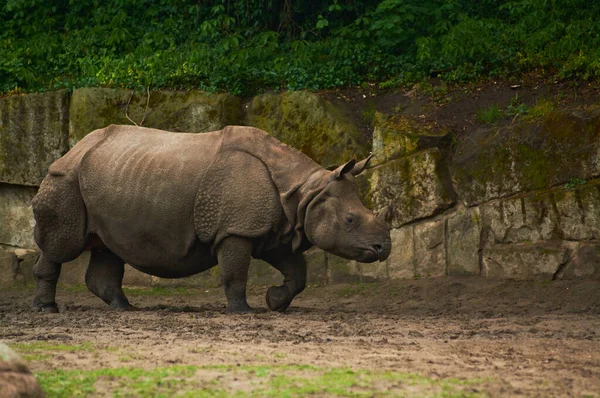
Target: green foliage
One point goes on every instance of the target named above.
(516, 107)
(247, 46)
(574, 183)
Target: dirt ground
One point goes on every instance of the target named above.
(501, 338)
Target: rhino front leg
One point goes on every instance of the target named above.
(46, 274)
(293, 268)
(234, 258)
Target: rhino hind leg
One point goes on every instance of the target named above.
(234, 259)
(293, 269)
(104, 278)
(59, 233)
(60, 215)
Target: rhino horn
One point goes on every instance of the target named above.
(360, 166)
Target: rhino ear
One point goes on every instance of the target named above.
(338, 173)
(360, 166)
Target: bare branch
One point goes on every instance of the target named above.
(147, 103)
(127, 108)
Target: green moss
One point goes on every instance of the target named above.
(542, 107)
(536, 166)
(190, 111)
(399, 136)
(309, 123)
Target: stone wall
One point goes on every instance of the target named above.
(520, 201)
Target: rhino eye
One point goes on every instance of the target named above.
(349, 219)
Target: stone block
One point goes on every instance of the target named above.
(9, 265)
(529, 155)
(372, 272)
(310, 123)
(401, 262)
(579, 211)
(73, 272)
(340, 270)
(262, 273)
(16, 216)
(133, 277)
(523, 219)
(180, 111)
(430, 250)
(34, 131)
(584, 263)
(27, 259)
(400, 136)
(463, 242)
(540, 217)
(524, 261)
(316, 267)
(418, 186)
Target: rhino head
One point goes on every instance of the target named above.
(337, 221)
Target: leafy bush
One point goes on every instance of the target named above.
(246, 46)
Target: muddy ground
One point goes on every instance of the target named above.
(486, 338)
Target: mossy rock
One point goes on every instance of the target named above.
(418, 186)
(530, 155)
(16, 216)
(309, 123)
(399, 136)
(34, 132)
(181, 111)
(15, 378)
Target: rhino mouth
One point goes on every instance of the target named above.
(369, 256)
(374, 253)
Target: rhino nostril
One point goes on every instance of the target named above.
(378, 248)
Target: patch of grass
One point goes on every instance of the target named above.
(490, 115)
(354, 289)
(140, 291)
(158, 291)
(35, 357)
(263, 381)
(35, 347)
(76, 288)
(368, 113)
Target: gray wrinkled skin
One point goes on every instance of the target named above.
(176, 204)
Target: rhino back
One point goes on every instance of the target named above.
(139, 187)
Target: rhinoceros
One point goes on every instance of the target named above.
(176, 204)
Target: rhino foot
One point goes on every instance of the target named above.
(240, 308)
(278, 298)
(127, 307)
(45, 308)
